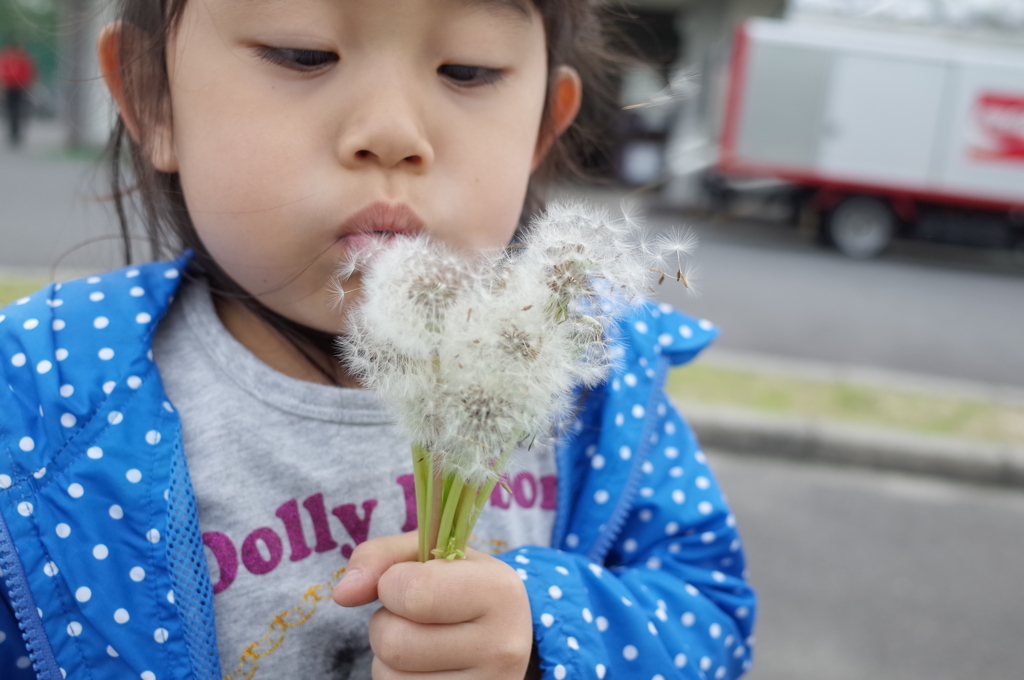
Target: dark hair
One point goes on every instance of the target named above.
(576, 36)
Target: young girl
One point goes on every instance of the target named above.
(187, 470)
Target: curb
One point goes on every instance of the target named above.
(748, 433)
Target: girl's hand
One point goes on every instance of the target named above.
(466, 618)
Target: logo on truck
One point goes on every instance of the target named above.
(1000, 118)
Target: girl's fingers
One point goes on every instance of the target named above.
(381, 671)
(443, 592)
(403, 645)
(461, 619)
(368, 562)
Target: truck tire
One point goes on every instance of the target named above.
(861, 227)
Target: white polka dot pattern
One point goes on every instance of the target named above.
(672, 512)
(640, 510)
(76, 367)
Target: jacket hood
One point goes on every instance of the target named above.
(620, 416)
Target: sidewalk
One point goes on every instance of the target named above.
(735, 423)
(53, 212)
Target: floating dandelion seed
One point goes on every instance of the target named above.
(680, 244)
(689, 276)
(682, 87)
(671, 252)
(536, 321)
(336, 292)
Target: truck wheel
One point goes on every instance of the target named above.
(861, 226)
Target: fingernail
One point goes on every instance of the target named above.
(351, 576)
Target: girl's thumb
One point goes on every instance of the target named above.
(368, 563)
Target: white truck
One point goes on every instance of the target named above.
(885, 132)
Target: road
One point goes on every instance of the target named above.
(923, 309)
(862, 574)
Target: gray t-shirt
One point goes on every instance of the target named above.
(289, 477)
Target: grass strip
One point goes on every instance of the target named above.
(15, 289)
(938, 414)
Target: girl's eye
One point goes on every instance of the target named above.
(469, 76)
(297, 60)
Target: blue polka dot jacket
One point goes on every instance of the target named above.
(104, 574)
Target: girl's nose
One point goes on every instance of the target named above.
(384, 129)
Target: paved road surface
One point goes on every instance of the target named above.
(775, 293)
(870, 575)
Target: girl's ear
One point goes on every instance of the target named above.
(159, 146)
(564, 105)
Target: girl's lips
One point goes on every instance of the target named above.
(377, 218)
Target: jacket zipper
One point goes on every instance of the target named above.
(614, 525)
(44, 663)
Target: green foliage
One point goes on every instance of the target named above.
(12, 290)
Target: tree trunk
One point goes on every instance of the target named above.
(74, 60)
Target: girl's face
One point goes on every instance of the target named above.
(292, 116)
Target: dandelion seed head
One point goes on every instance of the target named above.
(475, 352)
(586, 330)
(434, 290)
(519, 344)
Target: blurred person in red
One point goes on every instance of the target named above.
(17, 73)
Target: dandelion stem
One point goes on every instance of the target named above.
(487, 488)
(481, 500)
(451, 504)
(464, 518)
(434, 499)
(422, 473)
